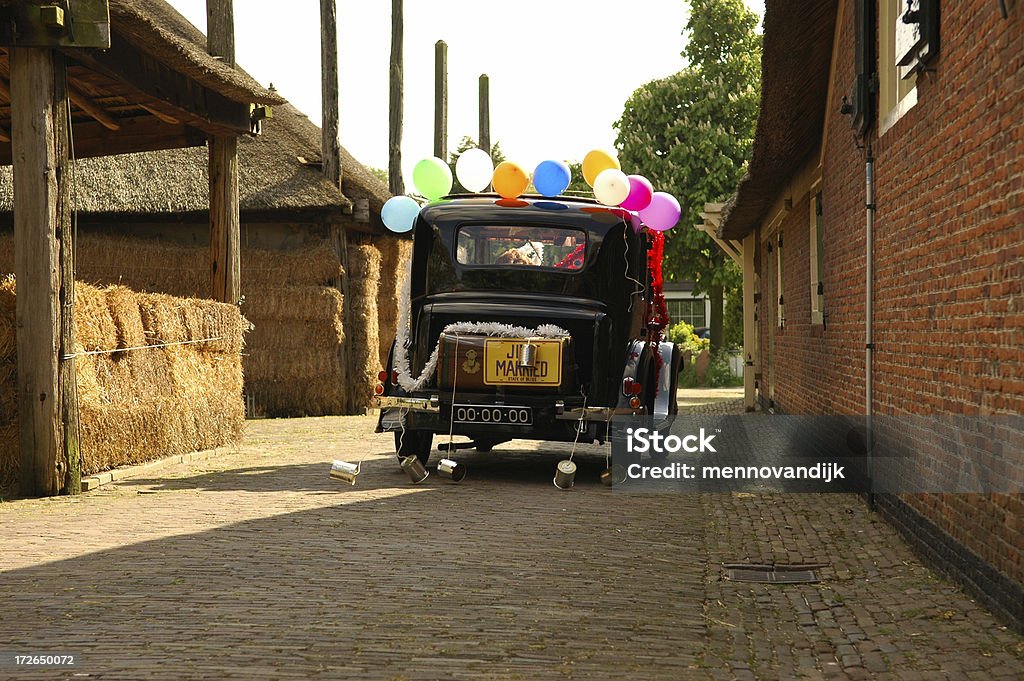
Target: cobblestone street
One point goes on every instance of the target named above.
(254, 564)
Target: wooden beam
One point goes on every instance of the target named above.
(5, 136)
(395, 183)
(225, 229)
(67, 379)
(37, 172)
(225, 240)
(86, 104)
(441, 100)
(142, 133)
(485, 113)
(330, 149)
(220, 30)
(330, 153)
(155, 85)
(171, 120)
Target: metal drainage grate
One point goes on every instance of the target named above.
(769, 574)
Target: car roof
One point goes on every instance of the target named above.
(538, 209)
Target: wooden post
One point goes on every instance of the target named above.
(39, 170)
(395, 183)
(330, 147)
(485, 113)
(67, 377)
(225, 240)
(331, 156)
(441, 100)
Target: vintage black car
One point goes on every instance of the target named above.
(527, 318)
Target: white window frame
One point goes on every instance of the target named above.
(896, 95)
(816, 249)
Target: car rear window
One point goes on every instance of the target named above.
(521, 246)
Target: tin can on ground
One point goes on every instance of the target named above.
(451, 470)
(414, 469)
(565, 474)
(345, 471)
(614, 475)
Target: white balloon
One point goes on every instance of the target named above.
(611, 187)
(474, 169)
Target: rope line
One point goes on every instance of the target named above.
(141, 347)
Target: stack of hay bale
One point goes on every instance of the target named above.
(138, 405)
(293, 362)
(294, 365)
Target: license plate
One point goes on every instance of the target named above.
(503, 415)
(502, 362)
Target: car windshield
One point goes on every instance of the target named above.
(503, 245)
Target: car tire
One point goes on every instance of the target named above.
(414, 443)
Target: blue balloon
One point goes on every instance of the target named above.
(551, 177)
(399, 213)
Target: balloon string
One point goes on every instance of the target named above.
(638, 286)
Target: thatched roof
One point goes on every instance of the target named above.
(356, 180)
(794, 86)
(154, 27)
(272, 179)
(173, 182)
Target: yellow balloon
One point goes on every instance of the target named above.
(596, 162)
(510, 179)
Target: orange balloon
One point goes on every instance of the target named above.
(510, 179)
(596, 162)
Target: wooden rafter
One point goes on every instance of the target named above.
(170, 120)
(89, 106)
(158, 88)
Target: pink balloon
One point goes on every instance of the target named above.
(663, 212)
(640, 193)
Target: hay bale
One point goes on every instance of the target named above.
(293, 354)
(143, 404)
(158, 266)
(123, 304)
(298, 303)
(395, 254)
(292, 286)
(167, 319)
(364, 262)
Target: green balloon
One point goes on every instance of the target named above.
(432, 177)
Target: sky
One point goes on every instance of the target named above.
(560, 70)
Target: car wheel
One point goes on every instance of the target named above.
(414, 443)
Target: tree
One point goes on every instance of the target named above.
(691, 135)
(578, 185)
(467, 142)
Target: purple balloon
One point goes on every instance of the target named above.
(640, 193)
(663, 212)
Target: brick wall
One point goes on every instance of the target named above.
(949, 265)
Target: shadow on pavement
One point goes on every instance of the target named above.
(474, 580)
(504, 465)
